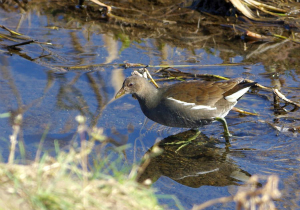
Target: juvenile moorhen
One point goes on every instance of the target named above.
(188, 104)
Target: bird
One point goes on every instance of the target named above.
(188, 104)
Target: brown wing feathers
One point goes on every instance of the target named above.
(203, 92)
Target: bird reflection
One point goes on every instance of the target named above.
(199, 162)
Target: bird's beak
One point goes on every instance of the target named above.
(120, 93)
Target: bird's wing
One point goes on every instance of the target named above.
(206, 93)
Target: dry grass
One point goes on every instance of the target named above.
(32, 187)
(64, 182)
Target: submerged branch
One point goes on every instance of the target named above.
(243, 112)
(281, 96)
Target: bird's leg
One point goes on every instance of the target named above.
(224, 123)
(185, 142)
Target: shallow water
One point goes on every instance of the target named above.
(50, 95)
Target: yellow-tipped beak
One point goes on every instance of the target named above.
(120, 93)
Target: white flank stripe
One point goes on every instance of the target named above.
(204, 107)
(234, 97)
(192, 104)
(181, 102)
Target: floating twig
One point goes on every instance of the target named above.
(177, 74)
(145, 73)
(281, 96)
(20, 44)
(102, 5)
(243, 112)
(259, 85)
(286, 38)
(150, 77)
(258, 36)
(4, 36)
(11, 31)
(138, 65)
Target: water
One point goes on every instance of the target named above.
(50, 95)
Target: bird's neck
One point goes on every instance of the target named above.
(148, 97)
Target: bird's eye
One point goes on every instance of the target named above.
(130, 85)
